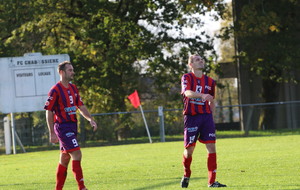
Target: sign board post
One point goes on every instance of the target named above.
(161, 123)
(13, 131)
(7, 136)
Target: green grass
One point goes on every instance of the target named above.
(220, 134)
(262, 162)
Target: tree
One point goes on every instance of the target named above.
(269, 40)
(268, 49)
(110, 41)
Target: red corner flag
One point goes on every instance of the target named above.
(134, 99)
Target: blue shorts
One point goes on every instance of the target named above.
(67, 136)
(199, 127)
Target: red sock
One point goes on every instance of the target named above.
(61, 175)
(77, 171)
(212, 167)
(187, 166)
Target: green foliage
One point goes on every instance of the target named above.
(112, 44)
(268, 34)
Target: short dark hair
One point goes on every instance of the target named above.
(62, 65)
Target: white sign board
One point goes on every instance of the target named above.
(25, 81)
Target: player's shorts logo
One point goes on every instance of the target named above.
(192, 129)
(70, 134)
(212, 135)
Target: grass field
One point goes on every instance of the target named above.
(268, 162)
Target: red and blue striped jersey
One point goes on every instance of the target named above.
(63, 102)
(204, 85)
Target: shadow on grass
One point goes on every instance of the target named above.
(175, 181)
(21, 185)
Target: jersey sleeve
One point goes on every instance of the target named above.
(185, 83)
(51, 101)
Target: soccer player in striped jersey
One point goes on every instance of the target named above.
(61, 106)
(198, 92)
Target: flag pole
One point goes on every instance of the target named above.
(146, 124)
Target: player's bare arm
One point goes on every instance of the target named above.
(212, 106)
(192, 94)
(50, 123)
(86, 114)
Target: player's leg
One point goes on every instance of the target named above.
(70, 146)
(77, 169)
(187, 160)
(211, 162)
(208, 137)
(191, 134)
(212, 166)
(61, 172)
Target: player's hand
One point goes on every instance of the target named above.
(94, 124)
(207, 97)
(53, 138)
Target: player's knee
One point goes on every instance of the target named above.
(188, 155)
(211, 148)
(188, 152)
(76, 155)
(64, 160)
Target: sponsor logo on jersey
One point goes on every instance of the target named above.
(197, 102)
(70, 110)
(208, 87)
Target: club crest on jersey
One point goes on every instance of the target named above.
(47, 103)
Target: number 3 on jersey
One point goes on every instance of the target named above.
(71, 99)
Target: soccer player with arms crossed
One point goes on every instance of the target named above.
(198, 91)
(61, 106)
